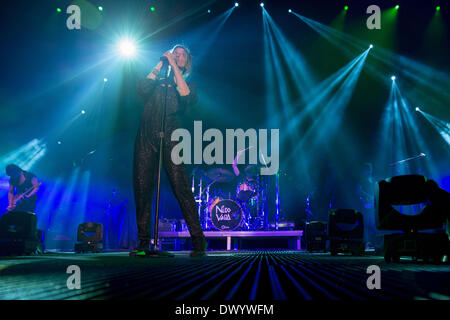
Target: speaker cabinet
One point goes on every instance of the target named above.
(316, 236)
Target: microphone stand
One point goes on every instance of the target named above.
(155, 248)
(308, 210)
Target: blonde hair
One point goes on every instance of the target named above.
(188, 66)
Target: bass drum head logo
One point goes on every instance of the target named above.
(226, 215)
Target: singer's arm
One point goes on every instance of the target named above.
(146, 85)
(155, 72)
(182, 86)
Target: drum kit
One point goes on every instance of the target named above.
(228, 202)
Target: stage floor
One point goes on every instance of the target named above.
(221, 275)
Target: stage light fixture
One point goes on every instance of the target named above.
(346, 8)
(152, 9)
(236, 4)
(417, 109)
(58, 10)
(261, 4)
(127, 48)
(209, 11)
(83, 111)
(391, 195)
(59, 142)
(438, 8)
(393, 78)
(397, 7)
(371, 46)
(100, 9)
(289, 10)
(105, 79)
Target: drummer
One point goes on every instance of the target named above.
(245, 179)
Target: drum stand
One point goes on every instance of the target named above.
(205, 212)
(247, 215)
(199, 199)
(261, 202)
(277, 200)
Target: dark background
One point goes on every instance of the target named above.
(50, 73)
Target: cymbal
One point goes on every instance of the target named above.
(220, 175)
(200, 174)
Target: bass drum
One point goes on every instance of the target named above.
(225, 215)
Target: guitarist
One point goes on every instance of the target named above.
(23, 186)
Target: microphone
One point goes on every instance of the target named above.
(165, 66)
(164, 59)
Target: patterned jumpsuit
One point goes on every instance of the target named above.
(146, 155)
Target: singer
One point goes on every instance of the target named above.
(166, 95)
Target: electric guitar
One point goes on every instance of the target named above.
(19, 197)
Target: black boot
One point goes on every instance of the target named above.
(142, 248)
(199, 246)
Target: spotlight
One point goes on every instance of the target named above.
(59, 142)
(346, 8)
(58, 10)
(100, 8)
(417, 109)
(105, 79)
(152, 9)
(397, 7)
(289, 10)
(438, 8)
(127, 48)
(236, 4)
(262, 4)
(393, 78)
(209, 11)
(83, 112)
(371, 46)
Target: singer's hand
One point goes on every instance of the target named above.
(171, 59)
